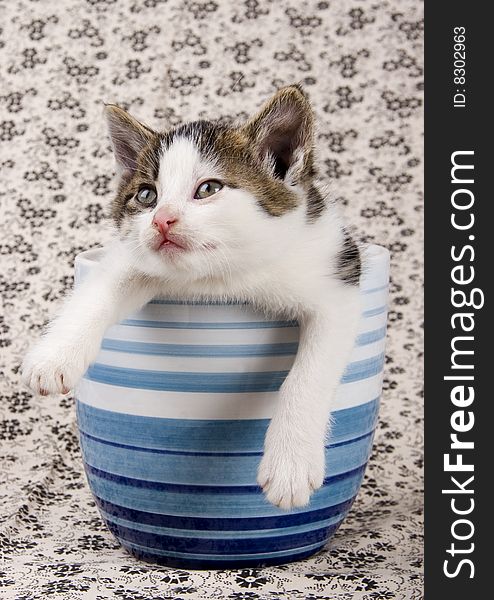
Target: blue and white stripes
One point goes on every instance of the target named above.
(172, 418)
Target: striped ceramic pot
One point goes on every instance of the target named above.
(172, 417)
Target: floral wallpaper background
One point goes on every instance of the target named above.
(168, 61)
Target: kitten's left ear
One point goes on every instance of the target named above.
(282, 133)
(128, 137)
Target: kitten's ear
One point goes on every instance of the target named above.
(128, 136)
(283, 134)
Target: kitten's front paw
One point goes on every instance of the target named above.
(52, 369)
(289, 473)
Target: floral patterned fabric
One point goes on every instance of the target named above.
(168, 61)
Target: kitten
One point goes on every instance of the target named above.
(209, 210)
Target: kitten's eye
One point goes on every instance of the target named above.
(208, 188)
(147, 196)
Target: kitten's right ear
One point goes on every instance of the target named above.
(282, 134)
(128, 137)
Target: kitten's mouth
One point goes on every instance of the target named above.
(169, 243)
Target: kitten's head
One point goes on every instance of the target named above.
(204, 198)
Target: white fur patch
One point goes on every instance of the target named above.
(181, 168)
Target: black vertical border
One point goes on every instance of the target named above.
(448, 129)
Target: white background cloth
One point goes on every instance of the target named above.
(169, 60)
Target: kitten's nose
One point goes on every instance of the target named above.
(163, 220)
